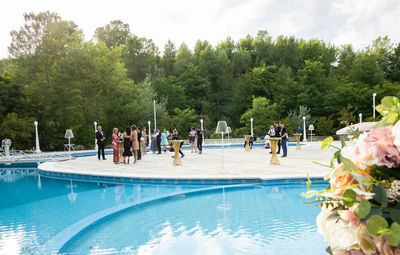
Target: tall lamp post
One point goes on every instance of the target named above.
(373, 111)
(251, 125)
(155, 115)
(37, 137)
(221, 129)
(149, 132)
(360, 115)
(201, 127)
(304, 129)
(95, 140)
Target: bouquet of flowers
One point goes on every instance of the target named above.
(360, 210)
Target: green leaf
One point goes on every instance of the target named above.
(348, 164)
(363, 209)
(326, 143)
(343, 142)
(376, 225)
(380, 195)
(395, 215)
(359, 177)
(394, 236)
(349, 197)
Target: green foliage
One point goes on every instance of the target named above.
(57, 78)
(390, 110)
(113, 34)
(347, 116)
(183, 121)
(263, 114)
(324, 126)
(19, 130)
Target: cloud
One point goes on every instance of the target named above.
(334, 21)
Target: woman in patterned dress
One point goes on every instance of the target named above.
(135, 143)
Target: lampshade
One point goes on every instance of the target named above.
(69, 134)
(228, 130)
(311, 127)
(222, 127)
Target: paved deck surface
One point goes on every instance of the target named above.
(237, 164)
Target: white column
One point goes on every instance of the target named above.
(155, 115)
(201, 126)
(360, 115)
(95, 140)
(373, 111)
(37, 137)
(304, 129)
(149, 133)
(222, 144)
(251, 124)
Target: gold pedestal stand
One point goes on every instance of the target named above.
(247, 139)
(176, 144)
(274, 158)
(120, 151)
(298, 147)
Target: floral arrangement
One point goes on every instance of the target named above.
(360, 210)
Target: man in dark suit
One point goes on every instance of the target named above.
(158, 134)
(278, 134)
(199, 134)
(100, 137)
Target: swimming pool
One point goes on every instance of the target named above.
(246, 219)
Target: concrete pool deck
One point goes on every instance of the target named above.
(238, 164)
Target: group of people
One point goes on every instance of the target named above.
(278, 131)
(135, 143)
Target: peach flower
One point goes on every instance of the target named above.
(337, 181)
(384, 247)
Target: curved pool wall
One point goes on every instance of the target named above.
(270, 218)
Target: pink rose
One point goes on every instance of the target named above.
(384, 247)
(380, 145)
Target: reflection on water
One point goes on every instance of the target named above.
(238, 221)
(14, 174)
(33, 209)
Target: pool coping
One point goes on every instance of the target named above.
(63, 239)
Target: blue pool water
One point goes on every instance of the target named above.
(248, 220)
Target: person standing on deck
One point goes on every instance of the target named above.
(100, 137)
(284, 137)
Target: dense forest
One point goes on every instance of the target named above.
(55, 76)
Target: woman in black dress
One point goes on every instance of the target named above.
(127, 144)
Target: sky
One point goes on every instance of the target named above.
(338, 22)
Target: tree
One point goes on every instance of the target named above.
(10, 95)
(324, 126)
(140, 56)
(168, 60)
(183, 120)
(296, 117)
(113, 34)
(366, 69)
(19, 130)
(263, 113)
(347, 116)
(182, 60)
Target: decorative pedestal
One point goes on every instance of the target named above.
(247, 139)
(120, 151)
(141, 146)
(176, 144)
(298, 147)
(274, 157)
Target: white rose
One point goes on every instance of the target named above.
(341, 235)
(396, 134)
